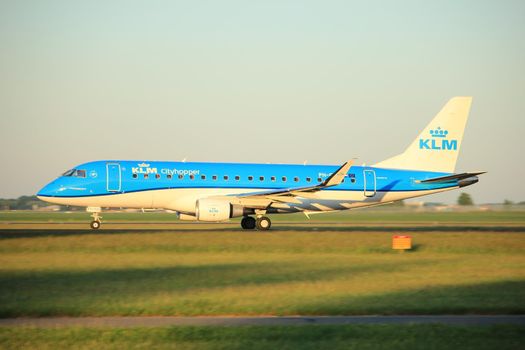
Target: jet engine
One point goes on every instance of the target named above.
(210, 209)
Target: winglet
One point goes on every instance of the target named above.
(337, 177)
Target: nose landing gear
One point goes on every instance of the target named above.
(96, 223)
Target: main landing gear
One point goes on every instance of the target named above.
(96, 223)
(262, 223)
(248, 223)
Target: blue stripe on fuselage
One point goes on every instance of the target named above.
(95, 183)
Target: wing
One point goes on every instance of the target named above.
(333, 180)
(288, 195)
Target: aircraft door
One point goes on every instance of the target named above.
(114, 178)
(369, 177)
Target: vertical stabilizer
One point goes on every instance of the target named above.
(438, 145)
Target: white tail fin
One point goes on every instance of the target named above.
(437, 147)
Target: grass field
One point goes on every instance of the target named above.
(284, 337)
(222, 270)
(339, 264)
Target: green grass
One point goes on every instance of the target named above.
(251, 273)
(360, 337)
(372, 216)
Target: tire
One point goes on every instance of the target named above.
(263, 223)
(95, 225)
(248, 223)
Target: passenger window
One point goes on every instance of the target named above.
(214, 177)
(134, 176)
(146, 176)
(319, 179)
(192, 177)
(296, 179)
(261, 178)
(169, 176)
(308, 179)
(284, 178)
(181, 176)
(157, 176)
(250, 178)
(237, 177)
(225, 177)
(273, 178)
(203, 177)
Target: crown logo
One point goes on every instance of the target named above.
(143, 165)
(438, 132)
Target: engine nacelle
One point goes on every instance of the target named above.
(209, 209)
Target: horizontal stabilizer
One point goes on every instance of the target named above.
(449, 178)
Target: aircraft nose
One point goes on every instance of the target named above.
(49, 190)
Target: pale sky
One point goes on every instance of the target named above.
(268, 81)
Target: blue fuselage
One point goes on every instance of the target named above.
(109, 178)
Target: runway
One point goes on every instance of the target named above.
(164, 321)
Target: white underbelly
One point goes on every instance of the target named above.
(184, 199)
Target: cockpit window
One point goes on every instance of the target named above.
(69, 172)
(75, 173)
(80, 173)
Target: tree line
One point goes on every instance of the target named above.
(25, 203)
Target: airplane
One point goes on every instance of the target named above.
(214, 192)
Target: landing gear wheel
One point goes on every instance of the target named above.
(95, 225)
(95, 211)
(248, 223)
(263, 223)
